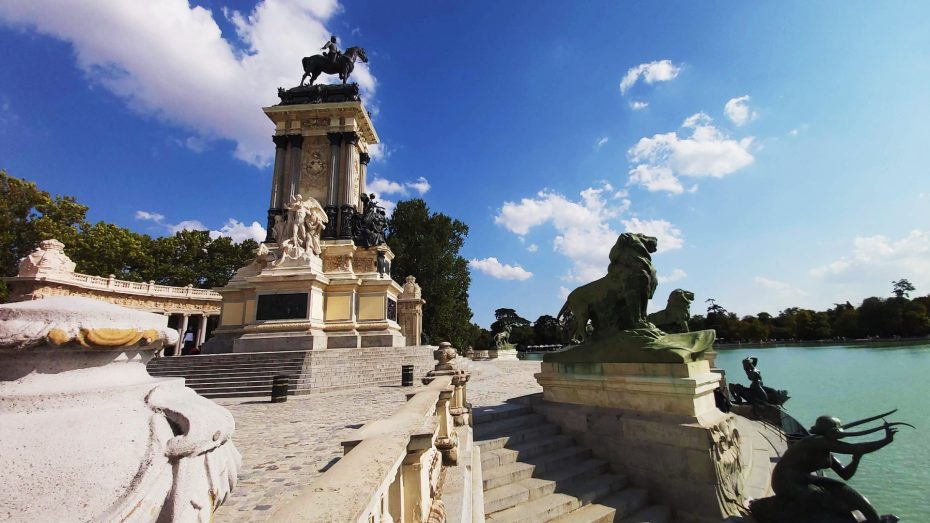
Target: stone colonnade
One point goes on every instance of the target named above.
(185, 321)
(342, 198)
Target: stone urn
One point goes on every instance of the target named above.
(444, 355)
(86, 434)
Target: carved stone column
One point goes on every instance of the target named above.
(295, 141)
(332, 198)
(363, 159)
(410, 311)
(349, 201)
(276, 206)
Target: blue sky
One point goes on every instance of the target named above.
(778, 149)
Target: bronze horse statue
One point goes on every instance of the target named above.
(342, 65)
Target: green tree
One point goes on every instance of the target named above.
(426, 245)
(902, 288)
(507, 317)
(547, 330)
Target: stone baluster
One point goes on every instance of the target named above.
(332, 198)
(276, 205)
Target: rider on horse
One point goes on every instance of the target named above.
(331, 50)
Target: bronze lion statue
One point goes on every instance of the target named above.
(618, 300)
(675, 316)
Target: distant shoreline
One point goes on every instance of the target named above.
(860, 342)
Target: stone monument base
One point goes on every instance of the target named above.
(507, 354)
(658, 423)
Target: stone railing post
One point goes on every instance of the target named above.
(458, 405)
(111, 281)
(415, 472)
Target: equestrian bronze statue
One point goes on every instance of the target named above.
(333, 62)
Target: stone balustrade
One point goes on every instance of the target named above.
(391, 470)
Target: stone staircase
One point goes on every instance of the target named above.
(251, 373)
(532, 473)
(233, 375)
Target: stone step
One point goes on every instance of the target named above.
(525, 450)
(497, 412)
(505, 475)
(506, 496)
(505, 425)
(518, 436)
(622, 506)
(552, 506)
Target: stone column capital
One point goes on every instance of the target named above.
(334, 138)
(280, 141)
(296, 140)
(350, 137)
(364, 158)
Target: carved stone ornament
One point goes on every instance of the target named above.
(314, 163)
(87, 435)
(49, 257)
(340, 263)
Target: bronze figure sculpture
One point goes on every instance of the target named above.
(757, 393)
(801, 495)
(333, 62)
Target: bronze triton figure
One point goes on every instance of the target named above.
(801, 495)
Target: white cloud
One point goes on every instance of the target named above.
(239, 231)
(532, 247)
(379, 152)
(564, 292)
(652, 72)
(676, 275)
(383, 186)
(150, 216)
(389, 207)
(880, 257)
(421, 186)
(668, 235)
(501, 271)
(657, 162)
(793, 132)
(170, 60)
(583, 232)
(778, 286)
(600, 142)
(738, 111)
(637, 105)
(187, 225)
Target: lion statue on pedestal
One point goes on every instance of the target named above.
(618, 300)
(675, 316)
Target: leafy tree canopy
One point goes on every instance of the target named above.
(426, 245)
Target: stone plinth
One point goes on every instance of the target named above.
(658, 423)
(87, 435)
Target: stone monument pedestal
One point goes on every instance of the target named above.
(658, 423)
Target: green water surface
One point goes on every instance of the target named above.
(854, 382)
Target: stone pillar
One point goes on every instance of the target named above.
(348, 199)
(410, 312)
(276, 205)
(295, 142)
(109, 420)
(332, 198)
(182, 329)
(201, 330)
(363, 159)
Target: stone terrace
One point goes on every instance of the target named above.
(285, 445)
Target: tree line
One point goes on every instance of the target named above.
(876, 317)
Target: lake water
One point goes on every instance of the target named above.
(854, 382)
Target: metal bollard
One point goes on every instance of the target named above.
(279, 388)
(406, 375)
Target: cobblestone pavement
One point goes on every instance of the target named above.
(285, 445)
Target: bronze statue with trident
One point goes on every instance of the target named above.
(803, 496)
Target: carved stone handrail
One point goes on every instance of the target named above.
(391, 471)
(88, 281)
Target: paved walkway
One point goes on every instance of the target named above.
(285, 445)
